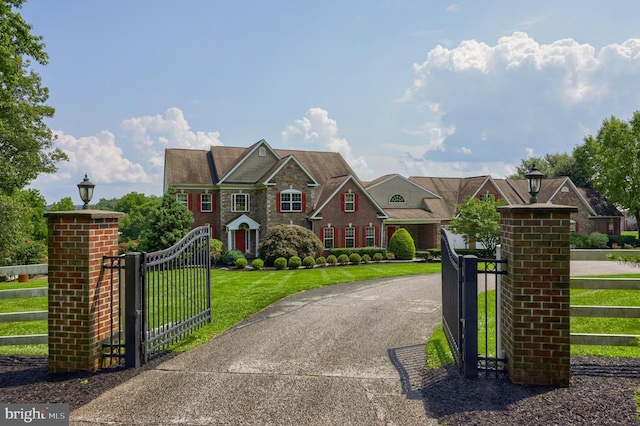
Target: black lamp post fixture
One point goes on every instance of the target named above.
(86, 191)
(534, 181)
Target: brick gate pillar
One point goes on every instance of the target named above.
(535, 293)
(79, 287)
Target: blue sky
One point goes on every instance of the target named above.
(420, 88)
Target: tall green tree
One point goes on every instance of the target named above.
(138, 210)
(26, 142)
(478, 221)
(14, 228)
(65, 204)
(167, 225)
(555, 165)
(612, 158)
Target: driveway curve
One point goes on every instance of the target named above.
(347, 354)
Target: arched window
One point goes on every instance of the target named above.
(396, 198)
(291, 201)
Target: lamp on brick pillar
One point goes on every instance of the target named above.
(534, 182)
(86, 191)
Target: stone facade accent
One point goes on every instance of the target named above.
(79, 287)
(535, 293)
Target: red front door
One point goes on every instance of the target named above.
(390, 231)
(241, 240)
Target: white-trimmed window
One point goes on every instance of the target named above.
(240, 202)
(291, 201)
(349, 202)
(573, 226)
(370, 236)
(396, 198)
(183, 198)
(350, 237)
(328, 238)
(206, 202)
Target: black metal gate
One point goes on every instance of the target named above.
(460, 309)
(170, 295)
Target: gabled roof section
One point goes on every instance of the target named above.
(560, 183)
(446, 188)
(333, 186)
(321, 165)
(493, 182)
(384, 179)
(249, 166)
(187, 167)
(270, 175)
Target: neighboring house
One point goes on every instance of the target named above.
(243, 192)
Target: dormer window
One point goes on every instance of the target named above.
(396, 199)
(262, 151)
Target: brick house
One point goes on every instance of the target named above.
(242, 192)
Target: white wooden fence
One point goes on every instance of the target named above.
(30, 339)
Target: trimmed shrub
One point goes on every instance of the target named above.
(402, 245)
(308, 262)
(343, 259)
(229, 257)
(598, 240)
(377, 257)
(623, 240)
(321, 261)
(355, 258)
(257, 263)
(579, 241)
(241, 263)
(391, 256)
(366, 258)
(332, 260)
(371, 251)
(287, 241)
(294, 262)
(280, 263)
(216, 249)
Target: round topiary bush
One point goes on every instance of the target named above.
(402, 245)
(308, 262)
(391, 256)
(289, 240)
(321, 261)
(241, 263)
(294, 262)
(229, 257)
(366, 258)
(257, 263)
(377, 257)
(332, 259)
(355, 258)
(280, 263)
(343, 259)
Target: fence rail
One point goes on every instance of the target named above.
(27, 339)
(605, 311)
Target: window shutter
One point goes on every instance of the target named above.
(344, 236)
(190, 201)
(199, 201)
(304, 202)
(577, 227)
(355, 236)
(355, 202)
(376, 235)
(278, 200)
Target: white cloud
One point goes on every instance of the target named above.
(465, 150)
(318, 129)
(453, 8)
(99, 156)
(114, 166)
(518, 93)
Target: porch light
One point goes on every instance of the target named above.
(86, 191)
(534, 181)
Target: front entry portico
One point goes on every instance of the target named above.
(240, 235)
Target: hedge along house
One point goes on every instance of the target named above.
(242, 192)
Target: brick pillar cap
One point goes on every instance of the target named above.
(87, 214)
(538, 208)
